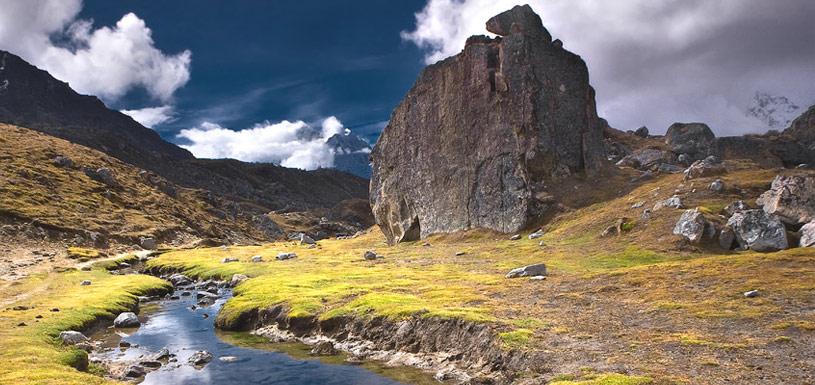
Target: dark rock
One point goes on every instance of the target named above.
(63, 161)
(756, 230)
(482, 133)
(642, 132)
(791, 198)
(802, 129)
(528, 271)
(230, 260)
(103, 175)
(696, 140)
(727, 238)
(200, 358)
(135, 371)
(147, 243)
(370, 256)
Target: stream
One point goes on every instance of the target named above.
(238, 358)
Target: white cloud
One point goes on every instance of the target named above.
(654, 63)
(289, 144)
(106, 62)
(151, 116)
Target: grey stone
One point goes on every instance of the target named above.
(756, 230)
(791, 198)
(528, 271)
(751, 293)
(515, 237)
(691, 225)
(200, 358)
(370, 255)
(230, 260)
(716, 186)
(228, 359)
(735, 207)
(62, 161)
(135, 371)
(727, 238)
(71, 337)
(536, 234)
(324, 348)
(85, 283)
(206, 295)
(645, 159)
(480, 136)
(237, 279)
(147, 243)
(673, 202)
(126, 320)
(704, 168)
(102, 175)
(808, 235)
(285, 256)
(306, 240)
(256, 259)
(179, 279)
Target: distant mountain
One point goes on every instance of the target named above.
(351, 154)
(32, 98)
(777, 112)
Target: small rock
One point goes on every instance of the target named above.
(672, 202)
(285, 256)
(460, 253)
(63, 161)
(256, 259)
(228, 359)
(528, 271)
(370, 256)
(134, 371)
(537, 278)
(71, 337)
(162, 354)
(200, 358)
(536, 234)
(638, 205)
(207, 295)
(426, 244)
(229, 260)
(85, 283)
(324, 348)
(237, 279)
(751, 294)
(126, 320)
(147, 243)
(542, 243)
(735, 207)
(306, 240)
(150, 364)
(727, 238)
(124, 344)
(642, 132)
(515, 237)
(646, 214)
(717, 186)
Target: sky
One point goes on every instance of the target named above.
(270, 81)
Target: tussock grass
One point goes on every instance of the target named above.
(33, 354)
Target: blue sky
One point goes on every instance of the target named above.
(279, 60)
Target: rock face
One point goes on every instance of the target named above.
(802, 128)
(482, 133)
(792, 198)
(756, 230)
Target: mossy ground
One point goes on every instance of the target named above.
(32, 354)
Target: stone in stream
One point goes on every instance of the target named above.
(179, 280)
(71, 337)
(200, 358)
(134, 371)
(162, 354)
(538, 269)
(126, 320)
(206, 294)
(228, 359)
(152, 364)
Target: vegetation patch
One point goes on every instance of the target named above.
(82, 253)
(606, 379)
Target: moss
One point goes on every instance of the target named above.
(607, 379)
(516, 339)
(83, 253)
(36, 347)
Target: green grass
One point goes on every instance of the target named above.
(516, 339)
(607, 379)
(33, 354)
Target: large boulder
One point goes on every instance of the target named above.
(808, 235)
(696, 140)
(483, 134)
(791, 198)
(692, 225)
(756, 230)
(126, 320)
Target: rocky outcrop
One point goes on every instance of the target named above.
(692, 225)
(696, 140)
(802, 129)
(483, 134)
(791, 198)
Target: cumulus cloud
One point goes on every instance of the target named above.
(653, 63)
(106, 62)
(289, 144)
(151, 116)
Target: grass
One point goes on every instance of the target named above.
(607, 379)
(33, 354)
(82, 253)
(516, 339)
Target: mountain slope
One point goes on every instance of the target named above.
(32, 98)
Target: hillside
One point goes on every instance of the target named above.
(32, 98)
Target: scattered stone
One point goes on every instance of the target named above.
(71, 337)
(126, 320)
(256, 259)
(672, 202)
(667, 168)
(229, 260)
(758, 231)
(102, 175)
(645, 159)
(638, 205)
(237, 279)
(646, 215)
(147, 243)
(807, 235)
(162, 354)
(200, 358)
(751, 294)
(791, 198)
(541, 243)
(62, 161)
(370, 256)
(727, 238)
(515, 237)
(642, 132)
(426, 244)
(735, 207)
(536, 234)
(324, 348)
(85, 283)
(460, 253)
(54, 310)
(22, 324)
(206, 295)
(306, 240)
(716, 186)
(528, 271)
(710, 166)
(537, 278)
(691, 225)
(179, 280)
(285, 256)
(228, 359)
(124, 344)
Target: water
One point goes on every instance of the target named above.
(183, 331)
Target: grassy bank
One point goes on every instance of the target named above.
(33, 354)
